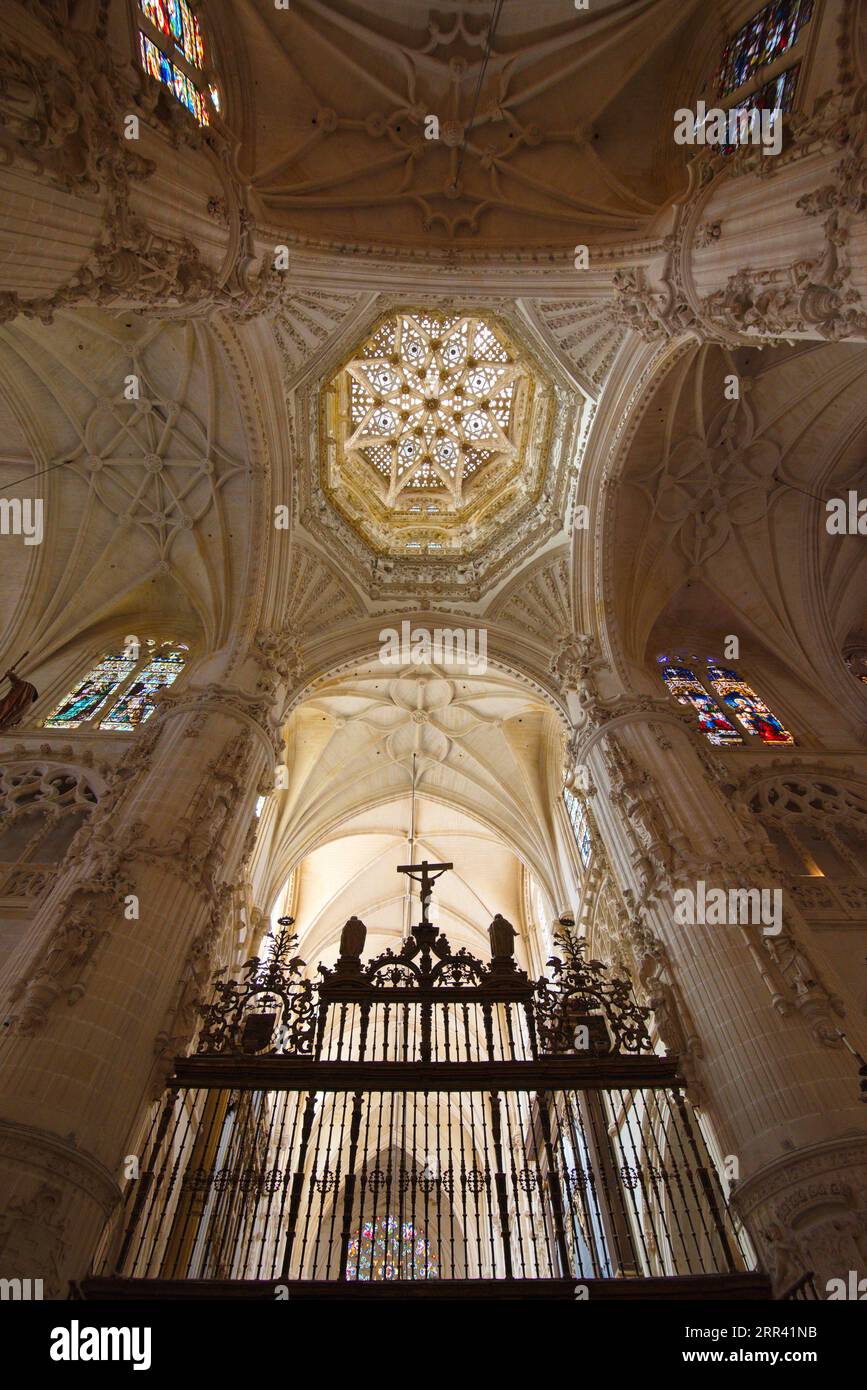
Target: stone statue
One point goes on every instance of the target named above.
(502, 937)
(17, 699)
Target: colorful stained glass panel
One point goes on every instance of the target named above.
(175, 19)
(390, 1249)
(766, 36)
(156, 64)
(687, 690)
(778, 95)
(137, 702)
(85, 699)
(751, 712)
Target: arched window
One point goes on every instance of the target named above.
(762, 40)
(390, 1249)
(751, 712)
(119, 692)
(722, 689)
(683, 685)
(577, 812)
(172, 51)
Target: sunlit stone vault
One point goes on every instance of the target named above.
(435, 432)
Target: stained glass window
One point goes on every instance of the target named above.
(766, 36)
(777, 95)
(750, 712)
(177, 61)
(136, 677)
(430, 401)
(137, 702)
(390, 1249)
(683, 685)
(82, 702)
(578, 816)
(723, 690)
(175, 19)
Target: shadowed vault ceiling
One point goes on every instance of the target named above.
(536, 141)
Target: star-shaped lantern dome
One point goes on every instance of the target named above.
(426, 424)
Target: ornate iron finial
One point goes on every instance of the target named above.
(582, 995)
(271, 1008)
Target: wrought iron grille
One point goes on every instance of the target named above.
(423, 1118)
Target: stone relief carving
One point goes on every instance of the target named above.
(317, 595)
(85, 910)
(575, 657)
(195, 975)
(812, 297)
(619, 932)
(809, 296)
(808, 1213)
(542, 603)
(278, 656)
(42, 805)
(32, 1236)
(661, 853)
(88, 903)
(706, 234)
(587, 333)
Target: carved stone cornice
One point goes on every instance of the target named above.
(576, 655)
(64, 119)
(64, 105)
(129, 264)
(58, 1159)
(653, 312)
(201, 700)
(813, 297)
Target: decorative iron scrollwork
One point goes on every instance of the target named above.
(424, 960)
(270, 1011)
(582, 995)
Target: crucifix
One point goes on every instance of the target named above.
(426, 874)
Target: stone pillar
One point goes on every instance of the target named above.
(766, 1060)
(126, 935)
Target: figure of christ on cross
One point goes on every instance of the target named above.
(426, 874)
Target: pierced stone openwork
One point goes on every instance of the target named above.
(426, 425)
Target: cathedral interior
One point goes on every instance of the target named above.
(433, 792)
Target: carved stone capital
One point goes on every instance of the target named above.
(807, 1211)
